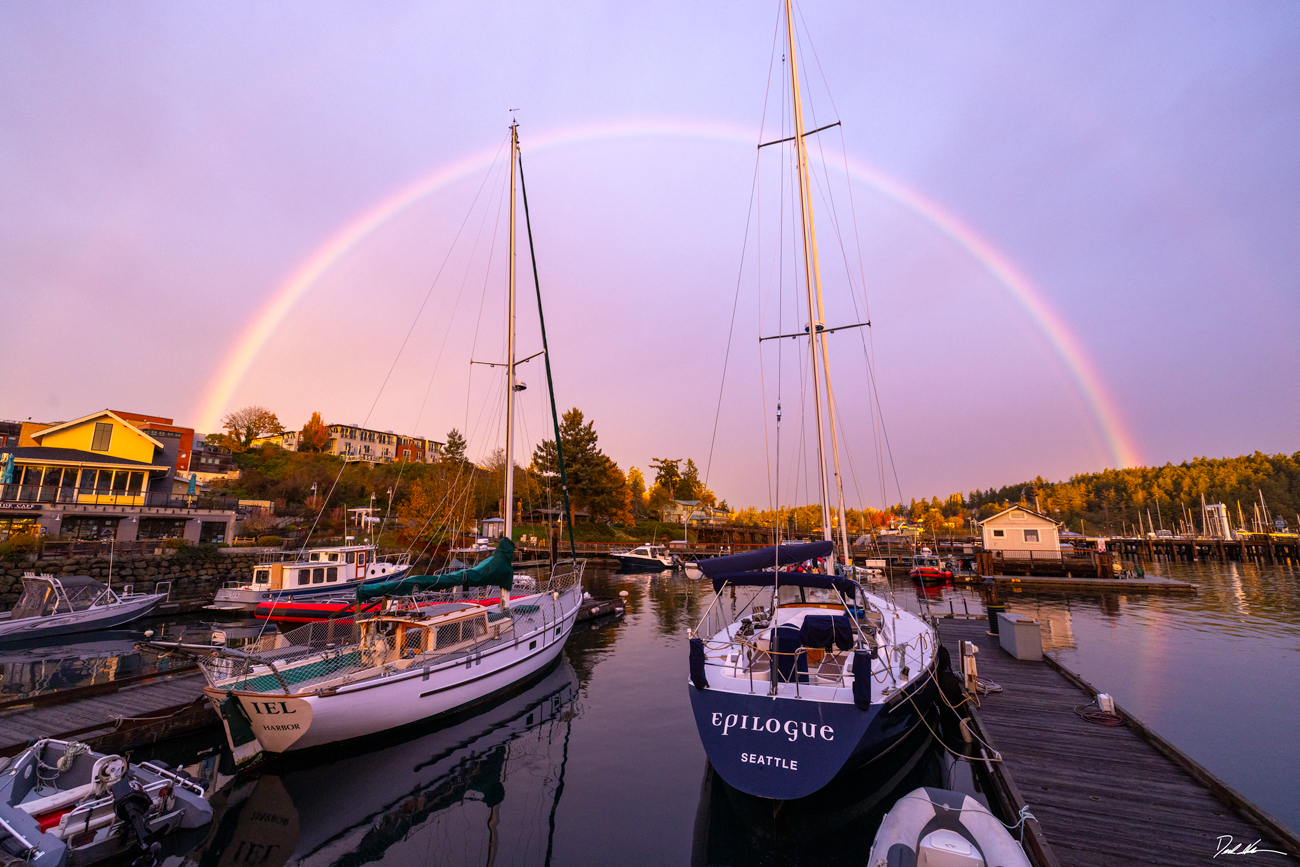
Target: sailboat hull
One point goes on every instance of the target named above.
(786, 748)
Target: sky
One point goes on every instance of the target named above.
(1072, 226)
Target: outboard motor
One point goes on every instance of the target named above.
(131, 805)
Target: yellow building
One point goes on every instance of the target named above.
(101, 476)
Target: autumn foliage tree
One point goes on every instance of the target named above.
(245, 425)
(315, 435)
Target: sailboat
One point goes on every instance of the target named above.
(799, 677)
(439, 644)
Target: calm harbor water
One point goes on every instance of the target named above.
(600, 761)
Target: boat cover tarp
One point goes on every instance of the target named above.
(786, 579)
(496, 571)
(773, 556)
(827, 630)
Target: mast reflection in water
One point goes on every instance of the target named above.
(481, 790)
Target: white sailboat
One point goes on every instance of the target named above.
(440, 644)
(799, 677)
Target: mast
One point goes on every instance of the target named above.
(816, 311)
(508, 507)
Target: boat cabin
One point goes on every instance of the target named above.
(322, 566)
(45, 595)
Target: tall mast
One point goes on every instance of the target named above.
(816, 311)
(509, 506)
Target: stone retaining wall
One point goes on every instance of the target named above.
(194, 581)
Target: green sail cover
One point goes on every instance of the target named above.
(496, 571)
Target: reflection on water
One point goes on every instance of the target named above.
(482, 789)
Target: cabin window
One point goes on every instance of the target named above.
(351, 557)
(1031, 535)
(103, 436)
(332, 573)
(315, 558)
(318, 576)
(304, 576)
(998, 534)
(262, 576)
(334, 558)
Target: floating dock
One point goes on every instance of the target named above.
(1102, 796)
(1149, 584)
(115, 716)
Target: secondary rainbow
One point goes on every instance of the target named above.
(234, 367)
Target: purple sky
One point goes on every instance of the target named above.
(165, 167)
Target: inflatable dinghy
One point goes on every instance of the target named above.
(938, 828)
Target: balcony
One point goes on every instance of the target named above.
(48, 494)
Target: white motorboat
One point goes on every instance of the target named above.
(653, 557)
(938, 826)
(62, 804)
(68, 604)
(310, 574)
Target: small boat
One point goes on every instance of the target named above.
(310, 574)
(938, 826)
(63, 804)
(928, 569)
(68, 604)
(647, 557)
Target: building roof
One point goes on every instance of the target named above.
(43, 454)
(94, 415)
(1018, 508)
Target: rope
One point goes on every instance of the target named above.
(1098, 716)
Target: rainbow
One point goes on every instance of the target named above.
(234, 367)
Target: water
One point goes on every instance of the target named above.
(600, 762)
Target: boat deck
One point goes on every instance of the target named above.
(1103, 795)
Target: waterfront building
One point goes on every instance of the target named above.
(1018, 530)
(211, 462)
(106, 475)
(681, 511)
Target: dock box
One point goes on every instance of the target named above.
(1019, 636)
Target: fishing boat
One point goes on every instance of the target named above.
(797, 674)
(67, 604)
(63, 804)
(643, 557)
(310, 575)
(928, 569)
(432, 649)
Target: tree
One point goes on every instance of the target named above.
(315, 435)
(454, 450)
(247, 424)
(667, 474)
(636, 489)
(595, 481)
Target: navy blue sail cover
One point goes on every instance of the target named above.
(785, 579)
(766, 558)
(827, 630)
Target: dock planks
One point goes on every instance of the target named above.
(1103, 796)
(91, 714)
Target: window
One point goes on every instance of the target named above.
(119, 481)
(318, 576)
(136, 483)
(332, 573)
(103, 436)
(1031, 535)
(304, 576)
(352, 557)
(998, 534)
(262, 576)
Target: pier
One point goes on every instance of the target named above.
(1102, 796)
(1271, 548)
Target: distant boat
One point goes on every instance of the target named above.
(642, 557)
(69, 604)
(928, 569)
(312, 573)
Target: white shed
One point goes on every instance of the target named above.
(1018, 530)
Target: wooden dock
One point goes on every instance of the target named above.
(1102, 796)
(115, 716)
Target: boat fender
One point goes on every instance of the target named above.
(241, 727)
(862, 678)
(697, 664)
(949, 683)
